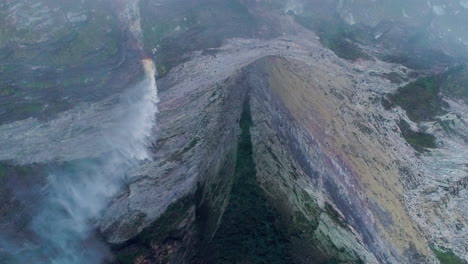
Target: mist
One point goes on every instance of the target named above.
(75, 193)
(337, 90)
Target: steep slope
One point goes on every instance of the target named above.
(288, 132)
(65, 151)
(321, 158)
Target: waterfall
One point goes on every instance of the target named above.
(78, 191)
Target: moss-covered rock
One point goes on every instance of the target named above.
(455, 83)
(421, 99)
(447, 257)
(335, 34)
(418, 140)
(196, 26)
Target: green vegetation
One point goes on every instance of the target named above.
(161, 229)
(3, 171)
(8, 169)
(394, 77)
(191, 145)
(97, 36)
(159, 233)
(71, 61)
(47, 83)
(6, 91)
(212, 197)
(420, 99)
(418, 140)
(24, 174)
(129, 256)
(26, 109)
(94, 40)
(251, 231)
(22, 109)
(343, 47)
(197, 28)
(386, 104)
(336, 35)
(447, 257)
(415, 50)
(455, 84)
(421, 60)
(447, 125)
(254, 228)
(6, 258)
(260, 229)
(156, 30)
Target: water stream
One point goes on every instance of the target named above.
(76, 193)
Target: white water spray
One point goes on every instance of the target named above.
(77, 193)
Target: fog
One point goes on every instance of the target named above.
(107, 130)
(75, 193)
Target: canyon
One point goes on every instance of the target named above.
(263, 133)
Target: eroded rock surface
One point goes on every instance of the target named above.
(301, 113)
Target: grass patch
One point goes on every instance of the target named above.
(420, 99)
(394, 77)
(447, 125)
(26, 109)
(3, 171)
(97, 36)
(386, 104)
(418, 140)
(336, 35)
(415, 51)
(24, 174)
(447, 257)
(171, 38)
(343, 47)
(455, 84)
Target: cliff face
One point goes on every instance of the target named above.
(284, 133)
(321, 154)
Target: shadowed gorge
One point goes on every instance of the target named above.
(250, 229)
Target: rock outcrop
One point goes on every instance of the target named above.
(282, 135)
(321, 148)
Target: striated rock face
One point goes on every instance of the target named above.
(299, 182)
(322, 148)
(438, 201)
(287, 132)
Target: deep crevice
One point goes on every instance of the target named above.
(250, 231)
